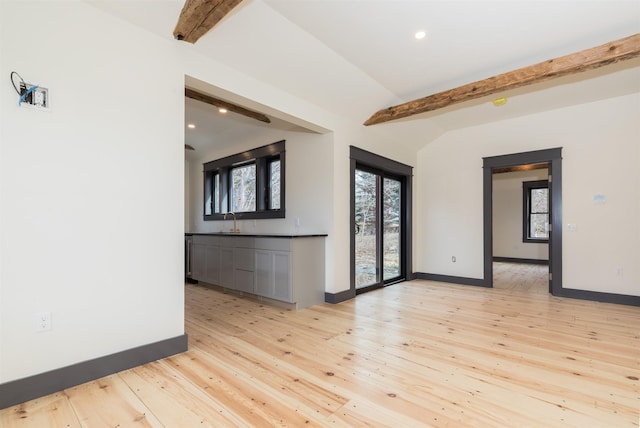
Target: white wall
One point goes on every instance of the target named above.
(507, 216)
(92, 191)
(601, 155)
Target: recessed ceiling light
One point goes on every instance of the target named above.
(222, 110)
(191, 126)
(419, 35)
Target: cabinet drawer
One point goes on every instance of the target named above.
(276, 244)
(243, 242)
(236, 241)
(205, 239)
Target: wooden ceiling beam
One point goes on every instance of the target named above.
(195, 95)
(199, 16)
(588, 59)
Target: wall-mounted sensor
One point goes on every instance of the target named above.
(599, 199)
(499, 102)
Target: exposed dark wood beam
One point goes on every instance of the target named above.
(588, 59)
(199, 16)
(193, 94)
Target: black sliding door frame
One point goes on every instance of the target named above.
(386, 168)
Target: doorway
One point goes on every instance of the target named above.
(521, 228)
(378, 199)
(380, 221)
(553, 158)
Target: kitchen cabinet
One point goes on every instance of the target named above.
(273, 269)
(273, 275)
(243, 262)
(289, 269)
(205, 262)
(243, 275)
(226, 262)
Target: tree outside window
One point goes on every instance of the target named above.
(536, 211)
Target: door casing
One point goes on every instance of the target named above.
(554, 158)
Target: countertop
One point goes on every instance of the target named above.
(261, 235)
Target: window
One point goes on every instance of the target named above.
(243, 188)
(274, 183)
(251, 184)
(535, 202)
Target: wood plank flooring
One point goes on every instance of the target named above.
(413, 354)
(521, 277)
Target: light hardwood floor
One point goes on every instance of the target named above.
(413, 354)
(521, 277)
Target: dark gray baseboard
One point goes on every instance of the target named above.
(341, 296)
(21, 390)
(451, 279)
(517, 260)
(598, 296)
(595, 296)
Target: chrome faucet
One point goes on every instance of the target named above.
(235, 229)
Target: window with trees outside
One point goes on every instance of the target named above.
(535, 202)
(250, 184)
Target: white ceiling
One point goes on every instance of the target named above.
(354, 57)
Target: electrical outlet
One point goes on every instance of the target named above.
(42, 321)
(619, 271)
(453, 259)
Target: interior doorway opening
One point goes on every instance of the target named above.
(552, 160)
(521, 218)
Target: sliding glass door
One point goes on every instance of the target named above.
(391, 228)
(378, 228)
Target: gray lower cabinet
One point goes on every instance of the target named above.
(212, 270)
(205, 263)
(290, 270)
(243, 275)
(226, 267)
(198, 260)
(273, 275)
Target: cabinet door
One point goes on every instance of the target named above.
(282, 289)
(198, 261)
(264, 273)
(212, 267)
(226, 267)
(244, 259)
(243, 280)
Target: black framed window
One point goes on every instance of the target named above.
(243, 188)
(273, 181)
(250, 184)
(535, 202)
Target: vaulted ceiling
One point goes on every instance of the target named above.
(354, 57)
